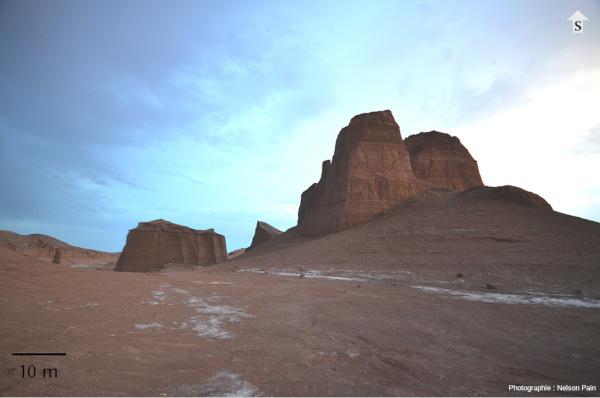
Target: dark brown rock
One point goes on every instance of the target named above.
(263, 233)
(57, 255)
(368, 174)
(235, 253)
(154, 244)
(440, 159)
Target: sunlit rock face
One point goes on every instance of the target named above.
(440, 159)
(154, 244)
(369, 173)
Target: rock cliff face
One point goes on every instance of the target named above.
(370, 172)
(440, 159)
(263, 233)
(154, 244)
(45, 247)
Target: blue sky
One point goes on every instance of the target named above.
(216, 114)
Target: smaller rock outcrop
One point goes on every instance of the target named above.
(154, 244)
(235, 253)
(440, 159)
(263, 233)
(57, 255)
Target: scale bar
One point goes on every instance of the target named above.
(62, 354)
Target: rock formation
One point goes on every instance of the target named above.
(508, 193)
(154, 244)
(263, 233)
(57, 255)
(369, 173)
(44, 247)
(440, 159)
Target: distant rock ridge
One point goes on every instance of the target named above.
(154, 244)
(263, 233)
(45, 247)
(440, 159)
(369, 173)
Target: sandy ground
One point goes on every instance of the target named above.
(372, 319)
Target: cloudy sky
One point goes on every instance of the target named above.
(216, 114)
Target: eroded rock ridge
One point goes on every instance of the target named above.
(154, 244)
(369, 173)
(45, 247)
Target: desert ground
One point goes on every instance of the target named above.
(377, 310)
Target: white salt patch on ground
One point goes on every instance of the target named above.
(87, 265)
(352, 353)
(212, 321)
(148, 325)
(212, 325)
(515, 298)
(353, 275)
(207, 327)
(159, 295)
(312, 275)
(223, 384)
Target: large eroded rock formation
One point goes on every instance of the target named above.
(370, 172)
(440, 159)
(263, 233)
(154, 244)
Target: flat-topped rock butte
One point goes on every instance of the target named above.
(154, 244)
(369, 173)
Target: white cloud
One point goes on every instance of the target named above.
(532, 145)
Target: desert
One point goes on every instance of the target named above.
(380, 312)
(394, 283)
(299, 198)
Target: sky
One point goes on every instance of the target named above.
(217, 114)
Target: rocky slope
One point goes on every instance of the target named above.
(263, 233)
(45, 247)
(154, 244)
(369, 173)
(440, 159)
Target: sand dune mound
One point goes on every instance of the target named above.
(484, 226)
